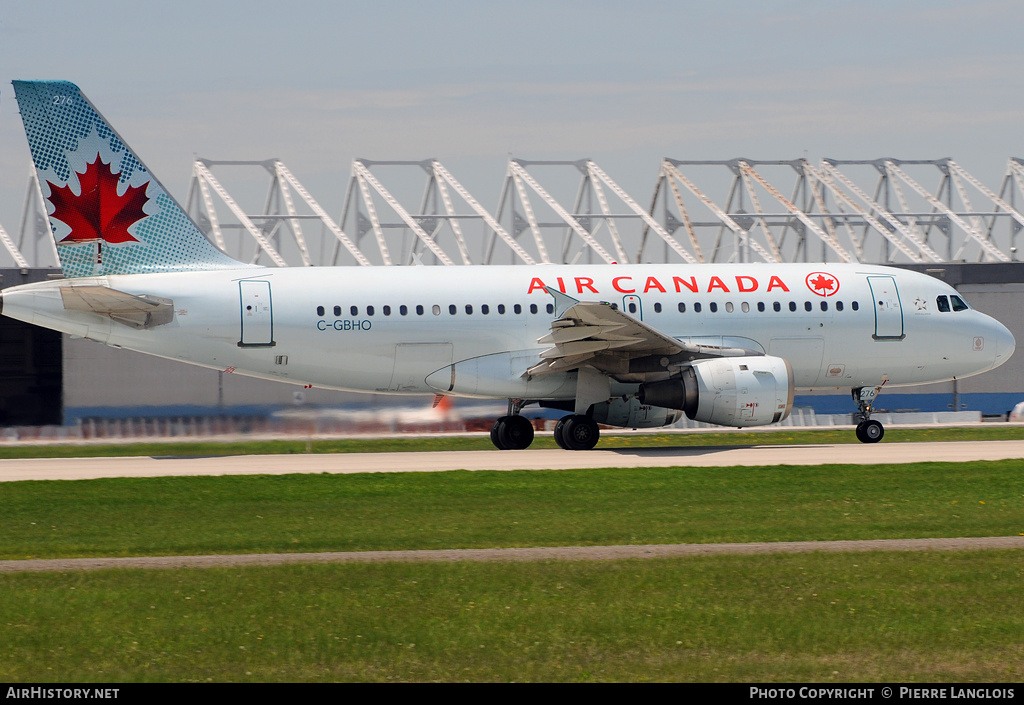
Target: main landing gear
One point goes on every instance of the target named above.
(512, 432)
(572, 432)
(868, 430)
(576, 432)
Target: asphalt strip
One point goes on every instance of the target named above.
(554, 553)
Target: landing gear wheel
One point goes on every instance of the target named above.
(512, 433)
(579, 432)
(516, 432)
(496, 434)
(870, 431)
(559, 427)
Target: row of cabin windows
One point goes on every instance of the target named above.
(745, 307)
(403, 310)
(958, 305)
(942, 303)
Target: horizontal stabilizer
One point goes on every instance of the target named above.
(129, 309)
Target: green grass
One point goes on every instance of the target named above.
(386, 511)
(543, 440)
(825, 618)
(897, 617)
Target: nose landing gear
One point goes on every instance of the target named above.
(868, 430)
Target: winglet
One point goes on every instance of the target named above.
(563, 302)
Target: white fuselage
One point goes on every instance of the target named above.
(389, 329)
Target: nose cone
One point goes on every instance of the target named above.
(997, 341)
(1005, 344)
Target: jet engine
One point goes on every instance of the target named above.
(728, 391)
(632, 413)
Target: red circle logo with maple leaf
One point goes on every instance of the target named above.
(822, 283)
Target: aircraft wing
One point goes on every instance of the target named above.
(129, 309)
(599, 335)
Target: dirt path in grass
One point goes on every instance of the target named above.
(555, 553)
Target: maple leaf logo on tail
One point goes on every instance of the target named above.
(99, 214)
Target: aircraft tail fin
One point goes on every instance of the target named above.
(107, 212)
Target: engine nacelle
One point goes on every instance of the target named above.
(632, 413)
(728, 391)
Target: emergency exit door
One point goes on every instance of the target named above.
(257, 315)
(632, 305)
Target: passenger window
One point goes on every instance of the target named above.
(319, 310)
(657, 308)
(776, 306)
(485, 309)
(403, 309)
(839, 305)
(337, 310)
(550, 308)
(517, 309)
(436, 310)
(958, 303)
(760, 306)
(824, 305)
(943, 304)
(807, 306)
(682, 307)
(387, 310)
(501, 309)
(792, 305)
(452, 309)
(713, 306)
(728, 306)
(745, 307)
(469, 309)
(632, 307)
(354, 310)
(419, 309)
(369, 310)
(855, 306)
(533, 308)
(696, 307)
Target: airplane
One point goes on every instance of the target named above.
(617, 345)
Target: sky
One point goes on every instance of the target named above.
(317, 84)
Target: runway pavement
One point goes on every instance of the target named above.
(341, 463)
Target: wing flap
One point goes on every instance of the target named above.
(569, 332)
(599, 335)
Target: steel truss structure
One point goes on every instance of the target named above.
(831, 215)
(419, 236)
(879, 211)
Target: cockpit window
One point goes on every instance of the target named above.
(943, 304)
(958, 303)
